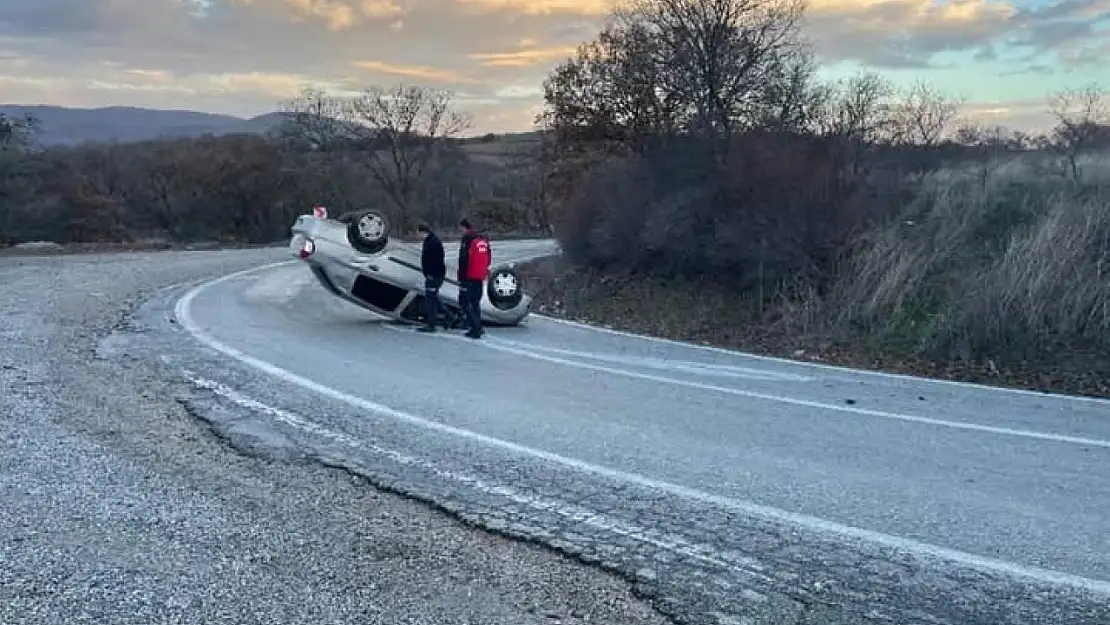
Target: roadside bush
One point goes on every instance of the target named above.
(1014, 269)
(772, 209)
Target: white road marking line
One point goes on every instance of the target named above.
(959, 425)
(818, 365)
(667, 364)
(165, 294)
(184, 316)
(668, 542)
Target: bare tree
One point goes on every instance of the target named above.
(612, 93)
(1081, 115)
(921, 116)
(17, 135)
(705, 67)
(721, 55)
(856, 108)
(315, 118)
(854, 113)
(18, 132)
(403, 127)
(163, 181)
(991, 145)
(793, 100)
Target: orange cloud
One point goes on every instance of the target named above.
(541, 7)
(152, 75)
(522, 58)
(909, 13)
(337, 14)
(419, 72)
(275, 84)
(32, 81)
(105, 85)
(380, 8)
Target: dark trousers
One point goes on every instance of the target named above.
(431, 299)
(470, 299)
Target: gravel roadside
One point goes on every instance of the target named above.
(118, 507)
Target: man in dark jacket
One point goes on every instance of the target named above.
(470, 284)
(434, 267)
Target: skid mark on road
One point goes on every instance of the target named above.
(667, 364)
(184, 317)
(529, 352)
(669, 542)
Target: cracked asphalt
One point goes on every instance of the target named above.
(119, 505)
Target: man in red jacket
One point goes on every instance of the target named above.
(474, 262)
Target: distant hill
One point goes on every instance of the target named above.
(69, 126)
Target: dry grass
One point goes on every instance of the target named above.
(503, 149)
(1012, 269)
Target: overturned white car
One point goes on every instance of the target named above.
(354, 259)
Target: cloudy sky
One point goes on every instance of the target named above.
(244, 56)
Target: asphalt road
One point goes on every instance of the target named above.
(730, 487)
(118, 505)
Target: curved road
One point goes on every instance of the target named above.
(730, 486)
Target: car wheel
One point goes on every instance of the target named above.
(368, 231)
(504, 289)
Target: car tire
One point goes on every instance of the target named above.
(368, 231)
(504, 288)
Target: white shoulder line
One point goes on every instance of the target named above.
(817, 365)
(497, 344)
(669, 542)
(182, 312)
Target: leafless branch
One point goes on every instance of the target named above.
(1081, 118)
(402, 126)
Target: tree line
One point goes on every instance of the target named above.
(394, 148)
